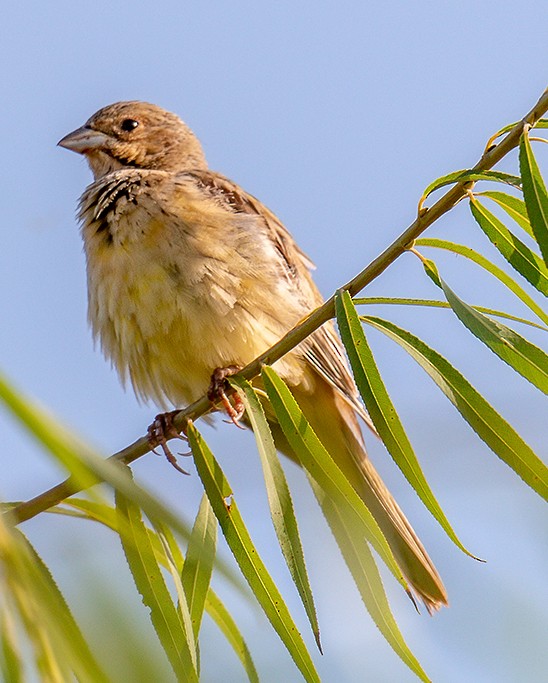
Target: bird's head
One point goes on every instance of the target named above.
(136, 135)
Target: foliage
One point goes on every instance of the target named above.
(172, 564)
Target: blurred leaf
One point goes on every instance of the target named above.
(480, 415)
(524, 357)
(178, 644)
(534, 192)
(360, 562)
(514, 207)
(279, 499)
(59, 646)
(469, 175)
(198, 565)
(228, 626)
(480, 260)
(48, 431)
(106, 515)
(82, 461)
(518, 255)
(382, 411)
(77, 651)
(252, 567)
(323, 469)
(11, 662)
(88, 509)
(434, 303)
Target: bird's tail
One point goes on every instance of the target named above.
(341, 435)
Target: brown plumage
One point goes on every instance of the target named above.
(187, 273)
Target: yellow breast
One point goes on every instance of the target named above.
(176, 292)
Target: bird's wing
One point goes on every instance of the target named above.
(323, 349)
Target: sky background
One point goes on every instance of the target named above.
(336, 115)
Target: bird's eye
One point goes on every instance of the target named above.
(129, 124)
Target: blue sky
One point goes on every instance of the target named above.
(336, 115)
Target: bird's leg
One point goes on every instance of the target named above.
(216, 392)
(160, 431)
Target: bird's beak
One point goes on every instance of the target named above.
(84, 140)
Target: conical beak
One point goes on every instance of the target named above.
(83, 140)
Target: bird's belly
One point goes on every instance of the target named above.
(167, 337)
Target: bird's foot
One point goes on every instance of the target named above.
(160, 431)
(217, 393)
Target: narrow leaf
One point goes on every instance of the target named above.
(382, 411)
(279, 499)
(469, 175)
(323, 469)
(183, 608)
(541, 123)
(480, 415)
(514, 207)
(84, 663)
(497, 272)
(434, 303)
(198, 565)
(221, 616)
(360, 562)
(252, 567)
(524, 357)
(85, 465)
(178, 645)
(11, 662)
(106, 515)
(518, 255)
(59, 645)
(534, 192)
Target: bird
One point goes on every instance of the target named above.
(189, 275)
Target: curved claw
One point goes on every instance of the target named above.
(159, 432)
(216, 393)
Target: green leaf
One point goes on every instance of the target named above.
(480, 415)
(11, 662)
(514, 207)
(221, 616)
(489, 267)
(431, 270)
(434, 303)
(470, 175)
(360, 562)
(382, 411)
(518, 255)
(198, 565)
(279, 499)
(323, 469)
(541, 123)
(59, 647)
(524, 357)
(85, 465)
(83, 662)
(183, 607)
(48, 431)
(177, 642)
(252, 567)
(107, 515)
(534, 192)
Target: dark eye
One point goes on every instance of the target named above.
(129, 124)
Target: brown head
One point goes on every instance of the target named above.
(137, 135)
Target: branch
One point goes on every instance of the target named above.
(313, 321)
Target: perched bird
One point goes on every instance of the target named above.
(188, 273)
